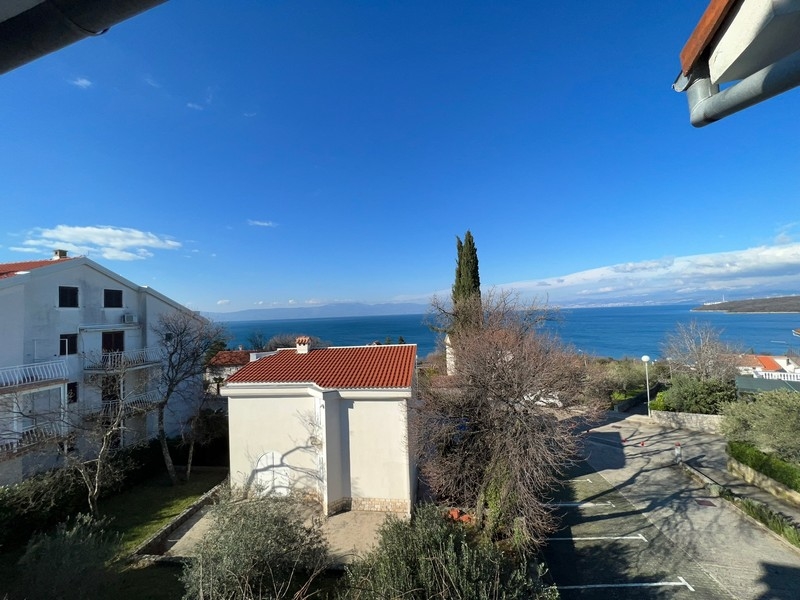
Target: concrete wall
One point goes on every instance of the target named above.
(691, 421)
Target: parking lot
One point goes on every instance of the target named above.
(608, 549)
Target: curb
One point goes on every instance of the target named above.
(145, 550)
(720, 491)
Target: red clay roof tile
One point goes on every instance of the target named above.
(11, 269)
(230, 358)
(358, 367)
(769, 363)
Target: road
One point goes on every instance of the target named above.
(637, 527)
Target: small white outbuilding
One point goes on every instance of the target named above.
(332, 422)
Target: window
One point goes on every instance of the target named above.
(112, 298)
(67, 296)
(72, 392)
(68, 344)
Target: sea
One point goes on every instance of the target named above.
(614, 332)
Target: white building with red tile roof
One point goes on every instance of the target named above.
(330, 421)
(62, 321)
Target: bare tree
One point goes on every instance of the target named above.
(187, 339)
(695, 349)
(496, 435)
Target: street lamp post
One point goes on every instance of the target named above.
(645, 360)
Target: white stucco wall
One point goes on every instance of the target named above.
(379, 463)
(278, 423)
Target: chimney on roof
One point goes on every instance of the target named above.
(59, 254)
(302, 344)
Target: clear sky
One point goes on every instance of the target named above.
(247, 154)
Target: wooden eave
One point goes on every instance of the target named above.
(704, 33)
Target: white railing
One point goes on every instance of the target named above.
(783, 376)
(31, 436)
(128, 359)
(143, 402)
(33, 373)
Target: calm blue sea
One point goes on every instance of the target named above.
(618, 332)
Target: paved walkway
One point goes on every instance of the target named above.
(349, 535)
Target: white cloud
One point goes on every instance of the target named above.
(759, 271)
(223, 302)
(249, 115)
(194, 106)
(261, 223)
(151, 82)
(81, 82)
(110, 243)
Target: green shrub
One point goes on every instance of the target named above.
(433, 557)
(659, 402)
(694, 396)
(257, 548)
(37, 504)
(770, 422)
(70, 562)
(770, 465)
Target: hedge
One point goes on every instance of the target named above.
(781, 471)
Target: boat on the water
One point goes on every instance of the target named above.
(796, 332)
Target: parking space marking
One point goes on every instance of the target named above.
(638, 536)
(581, 504)
(681, 582)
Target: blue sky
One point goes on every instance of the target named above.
(253, 154)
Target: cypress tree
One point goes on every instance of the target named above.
(467, 287)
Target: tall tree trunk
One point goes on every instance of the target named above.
(162, 438)
(189, 460)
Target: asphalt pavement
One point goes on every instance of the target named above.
(635, 525)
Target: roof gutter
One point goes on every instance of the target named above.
(53, 24)
(708, 104)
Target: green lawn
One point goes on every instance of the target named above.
(140, 512)
(137, 514)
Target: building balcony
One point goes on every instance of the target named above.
(123, 360)
(31, 376)
(12, 443)
(143, 402)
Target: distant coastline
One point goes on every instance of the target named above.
(782, 304)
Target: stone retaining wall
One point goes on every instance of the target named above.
(767, 484)
(370, 505)
(691, 421)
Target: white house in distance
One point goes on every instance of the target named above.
(75, 337)
(330, 421)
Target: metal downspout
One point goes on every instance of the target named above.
(707, 104)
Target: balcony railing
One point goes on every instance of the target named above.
(30, 437)
(774, 375)
(42, 372)
(115, 361)
(143, 402)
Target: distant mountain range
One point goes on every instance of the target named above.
(348, 309)
(781, 304)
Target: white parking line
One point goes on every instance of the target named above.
(589, 504)
(638, 536)
(681, 582)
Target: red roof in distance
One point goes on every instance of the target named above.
(357, 367)
(230, 358)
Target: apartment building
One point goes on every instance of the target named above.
(78, 338)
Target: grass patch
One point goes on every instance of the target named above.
(142, 511)
(768, 464)
(778, 523)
